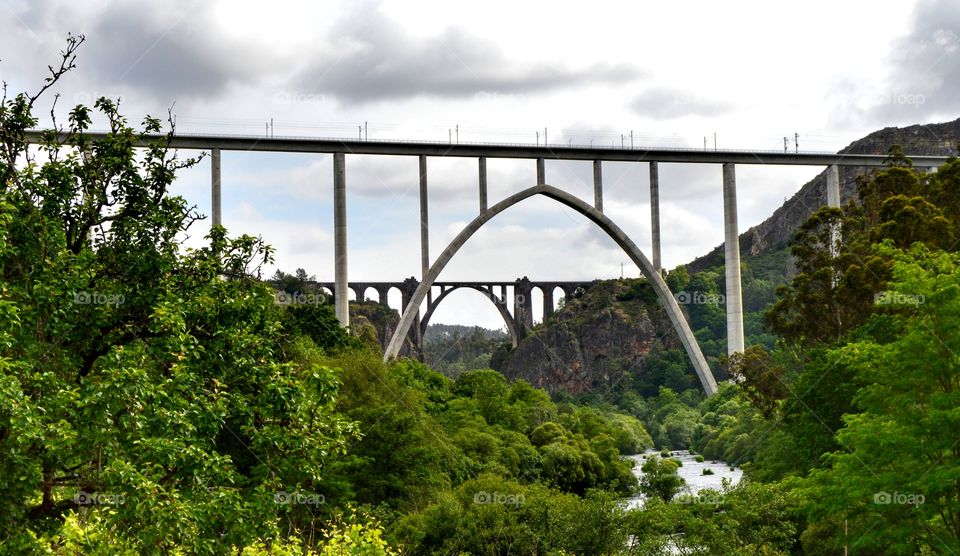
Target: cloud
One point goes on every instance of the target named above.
(166, 52)
(373, 59)
(924, 73)
(170, 56)
(667, 103)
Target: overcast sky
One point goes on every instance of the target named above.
(671, 73)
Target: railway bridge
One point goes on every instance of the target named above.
(423, 289)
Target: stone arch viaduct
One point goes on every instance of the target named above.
(416, 292)
(518, 293)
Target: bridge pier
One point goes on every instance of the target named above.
(359, 289)
(541, 172)
(598, 185)
(215, 183)
(424, 219)
(833, 200)
(523, 305)
(483, 183)
(731, 246)
(655, 215)
(547, 301)
(383, 292)
(415, 335)
(340, 297)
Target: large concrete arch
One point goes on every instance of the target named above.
(501, 307)
(630, 248)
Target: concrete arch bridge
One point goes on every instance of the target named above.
(417, 292)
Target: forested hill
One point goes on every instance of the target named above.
(774, 232)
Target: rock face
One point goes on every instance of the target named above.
(595, 342)
(776, 231)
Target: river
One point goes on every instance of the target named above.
(692, 473)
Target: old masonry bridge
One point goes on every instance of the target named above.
(431, 268)
(520, 297)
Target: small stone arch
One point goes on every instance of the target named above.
(501, 307)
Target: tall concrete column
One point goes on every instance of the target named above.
(547, 302)
(598, 185)
(731, 248)
(340, 296)
(541, 172)
(424, 225)
(833, 186)
(833, 200)
(655, 214)
(215, 205)
(483, 183)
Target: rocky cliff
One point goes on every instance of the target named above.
(596, 342)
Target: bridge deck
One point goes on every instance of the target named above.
(505, 150)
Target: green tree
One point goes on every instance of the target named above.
(660, 478)
(896, 478)
(761, 378)
(143, 389)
